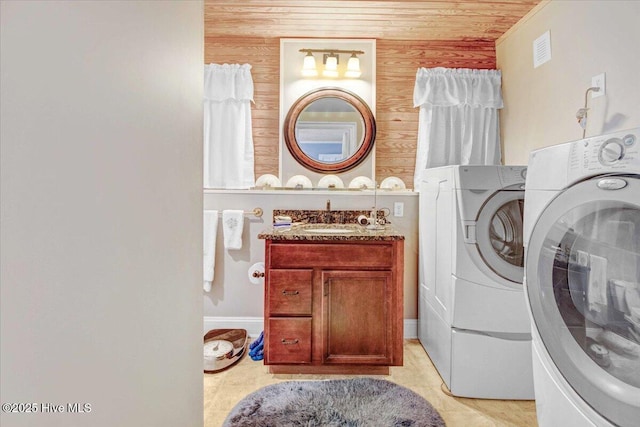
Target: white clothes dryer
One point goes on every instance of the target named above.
(473, 321)
(582, 280)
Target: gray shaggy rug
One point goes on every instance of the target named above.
(354, 402)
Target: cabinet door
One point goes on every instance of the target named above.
(357, 317)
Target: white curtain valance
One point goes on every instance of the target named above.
(459, 123)
(228, 81)
(447, 87)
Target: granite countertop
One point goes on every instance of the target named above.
(330, 232)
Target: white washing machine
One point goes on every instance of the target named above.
(473, 322)
(582, 280)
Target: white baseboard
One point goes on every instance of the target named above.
(255, 325)
(410, 329)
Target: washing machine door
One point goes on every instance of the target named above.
(499, 238)
(583, 285)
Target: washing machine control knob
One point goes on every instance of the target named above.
(611, 151)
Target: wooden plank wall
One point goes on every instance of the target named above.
(397, 64)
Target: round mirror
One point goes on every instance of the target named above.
(329, 130)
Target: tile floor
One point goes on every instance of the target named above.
(224, 389)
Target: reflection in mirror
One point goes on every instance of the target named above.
(329, 130)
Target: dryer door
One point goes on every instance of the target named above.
(583, 284)
(499, 234)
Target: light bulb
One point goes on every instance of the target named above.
(353, 67)
(331, 66)
(309, 66)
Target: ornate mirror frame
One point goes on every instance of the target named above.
(369, 134)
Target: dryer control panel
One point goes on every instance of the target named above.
(617, 152)
(512, 175)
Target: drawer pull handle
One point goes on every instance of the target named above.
(289, 293)
(289, 342)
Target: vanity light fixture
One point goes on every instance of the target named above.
(331, 59)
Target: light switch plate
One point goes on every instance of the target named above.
(598, 81)
(398, 209)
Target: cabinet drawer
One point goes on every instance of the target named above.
(289, 292)
(288, 340)
(334, 255)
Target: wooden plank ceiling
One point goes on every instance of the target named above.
(409, 35)
(459, 20)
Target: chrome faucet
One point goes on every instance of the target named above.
(328, 204)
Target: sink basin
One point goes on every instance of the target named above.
(329, 228)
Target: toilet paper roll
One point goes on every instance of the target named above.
(256, 273)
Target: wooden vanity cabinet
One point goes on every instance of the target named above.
(333, 307)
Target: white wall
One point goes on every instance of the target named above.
(234, 298)
(101, 214)
(587, 38)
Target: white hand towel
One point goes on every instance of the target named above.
(210, 228)
(232, 224)
(597, 288)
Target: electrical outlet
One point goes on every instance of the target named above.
(598, 81)
(398, 209)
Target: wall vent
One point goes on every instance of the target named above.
(541, 50)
